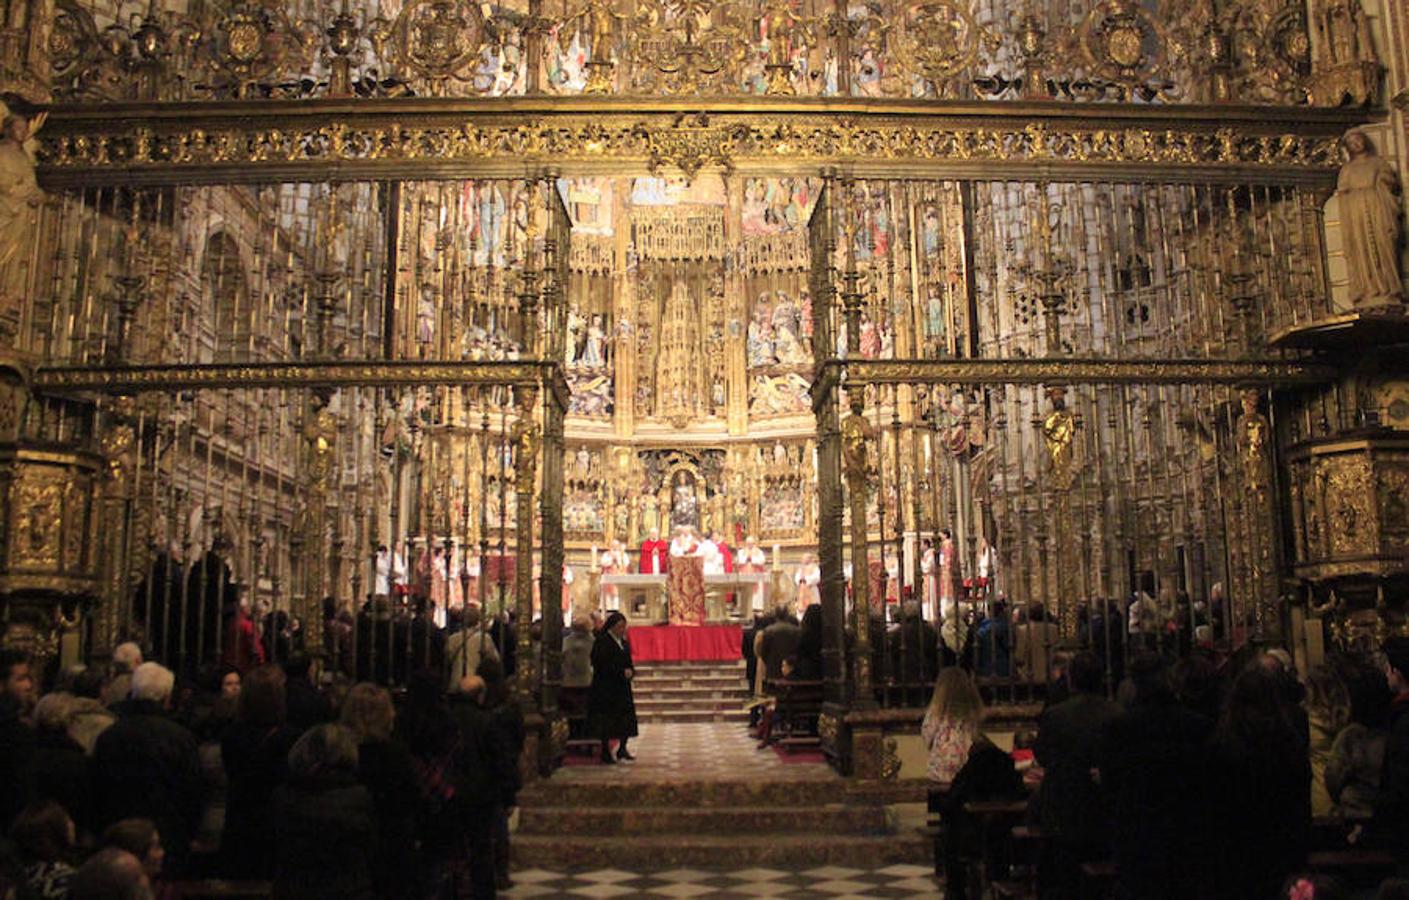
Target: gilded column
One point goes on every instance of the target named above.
(527, 439)
(856, 438)
(1253, 433)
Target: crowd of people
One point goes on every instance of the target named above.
(1195, 780)
(125, 782)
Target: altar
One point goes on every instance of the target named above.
(645, 598)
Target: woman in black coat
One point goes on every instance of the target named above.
(611, 710)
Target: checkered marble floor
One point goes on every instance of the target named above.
(669, 751)
(824, 882)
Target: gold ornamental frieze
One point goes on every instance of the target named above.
(139, 379)
(1075, 370)
(253, 142)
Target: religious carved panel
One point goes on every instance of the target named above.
(1348, 508)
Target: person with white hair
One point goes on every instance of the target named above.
(146, 765)
(126, 658)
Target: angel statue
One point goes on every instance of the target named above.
(19, 191)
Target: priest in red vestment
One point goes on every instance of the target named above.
(655, 555)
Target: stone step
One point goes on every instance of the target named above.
(792, 793)
(694, 666)
(791, 851)
(691, 716)
(731, 679)
(833, 819)
(693, 704)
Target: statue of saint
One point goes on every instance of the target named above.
(594, 351)
(1254, 436)
(19, 195)
(683, 510)
(1058, 429)
(1370, 204)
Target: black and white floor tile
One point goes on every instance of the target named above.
(825, 882)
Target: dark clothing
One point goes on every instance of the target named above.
(1392, 803)
(146, 766)
(326, 837)
(506, 736)
(373, 647)
(256, 759)
(1258, 817)
(1068, 740)
(16, 763)
(780, 642)
(611, 709)
(306, 705)
(1150, 759)
(61, 775)
(914, 652)
(506, 641)
(750, 661)
(988, 774)
(1070, 806)
(993, 648)
(425, 648)
(386, 770)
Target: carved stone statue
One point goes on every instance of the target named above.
(1370, 206)
(1058, 429)
(19, 195)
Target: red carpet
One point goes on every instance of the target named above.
(799, 756)
(680, 643)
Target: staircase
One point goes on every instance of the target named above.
(708, 824)
(690, 692)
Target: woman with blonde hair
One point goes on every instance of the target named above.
(385, 768)
(951, 723)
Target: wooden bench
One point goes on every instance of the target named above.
(798, 704)
(994, 816)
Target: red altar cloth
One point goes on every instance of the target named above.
(676, 643)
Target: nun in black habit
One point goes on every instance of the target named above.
(611, 710)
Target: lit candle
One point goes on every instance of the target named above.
(592, 563)
(775, 556)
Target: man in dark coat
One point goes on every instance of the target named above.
(146, 766)
(611, 709)
(1392, 803)
(16, 735)
(1070, 806)
(780, 642)
(306, 705)
(1149, 759)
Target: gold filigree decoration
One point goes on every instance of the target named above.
(436, 40)
(687, 46)
(247, 43)
(1122, 43)
(938, 41)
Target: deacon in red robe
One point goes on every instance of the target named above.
(728, 555)
(655, 555)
